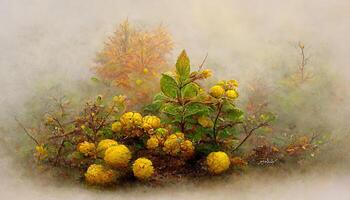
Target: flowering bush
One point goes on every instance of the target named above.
(187, 129)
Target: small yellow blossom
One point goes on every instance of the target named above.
(172, 144)
(187, 148)
(143, 168)
(139, 82)
(232, 84)
(150, 122)
(206, 122)
(218, 162)
(100, 175)
(87, 148)
(217, 91)
(131, 120)
(41, 152)
(103, 145)
(207, 73)
(118, 156)
(152, 143)
(145, 71)
(116, 127)
(232, 94)
(119, 99)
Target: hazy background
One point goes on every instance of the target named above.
(56, 41)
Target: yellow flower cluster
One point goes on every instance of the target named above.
(206, 122)
(206, 73)
(87, 148)
(143, 168)
(100, 175)
(118, 156)
(150, 122)
(218, 162)
(120, 99)
(227, 88)
(157, 139)
(176, 145)
(131, 120)
(41, 152)
(103, 145)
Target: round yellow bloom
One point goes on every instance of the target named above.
(145, 71)
(116, 127)
(172, 144)
(206, 122)
(41, 152)
(131, 120)
(117, 156)
(232, 94)
(103, 145)
(99, 175)
(87, 148)
(143, 168)
(150, 122)
(187, 148)
(152, 143)
(217, 91)
(218, 162)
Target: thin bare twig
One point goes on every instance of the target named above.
(201, 65)
(250, 133)
(26, 131)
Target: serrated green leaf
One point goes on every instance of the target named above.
(183, 66)
(168, 86)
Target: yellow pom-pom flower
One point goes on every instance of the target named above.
(87, 148)
(218, 162)
(206, 122)
(41, 152)
(152, 143)
(143, 168)
(187, 148)
(131, 120)
(118, 156)
(232, 94)
(116, 127)
(172, 144)
(217, 91)
(150, 122)
(103, 145)
(100, 175)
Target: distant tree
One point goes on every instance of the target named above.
(132, 59)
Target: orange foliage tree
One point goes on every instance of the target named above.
(132, 59)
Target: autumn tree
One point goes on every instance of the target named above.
(132, 59)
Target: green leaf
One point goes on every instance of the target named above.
(195, 108)
(171, 109)
(190, 90)
(94, 79)
(234, 114)
(168, 86)
(183, 66)
(156, 105)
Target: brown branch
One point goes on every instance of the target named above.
(201, 65)
(26, 131)
(250, 133)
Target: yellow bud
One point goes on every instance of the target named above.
(143, 168)
(145, 71)
(218, 162)
(116, 127)
(217, 91)
(139, 82)
(231, 94)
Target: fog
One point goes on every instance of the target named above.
(56, 42)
